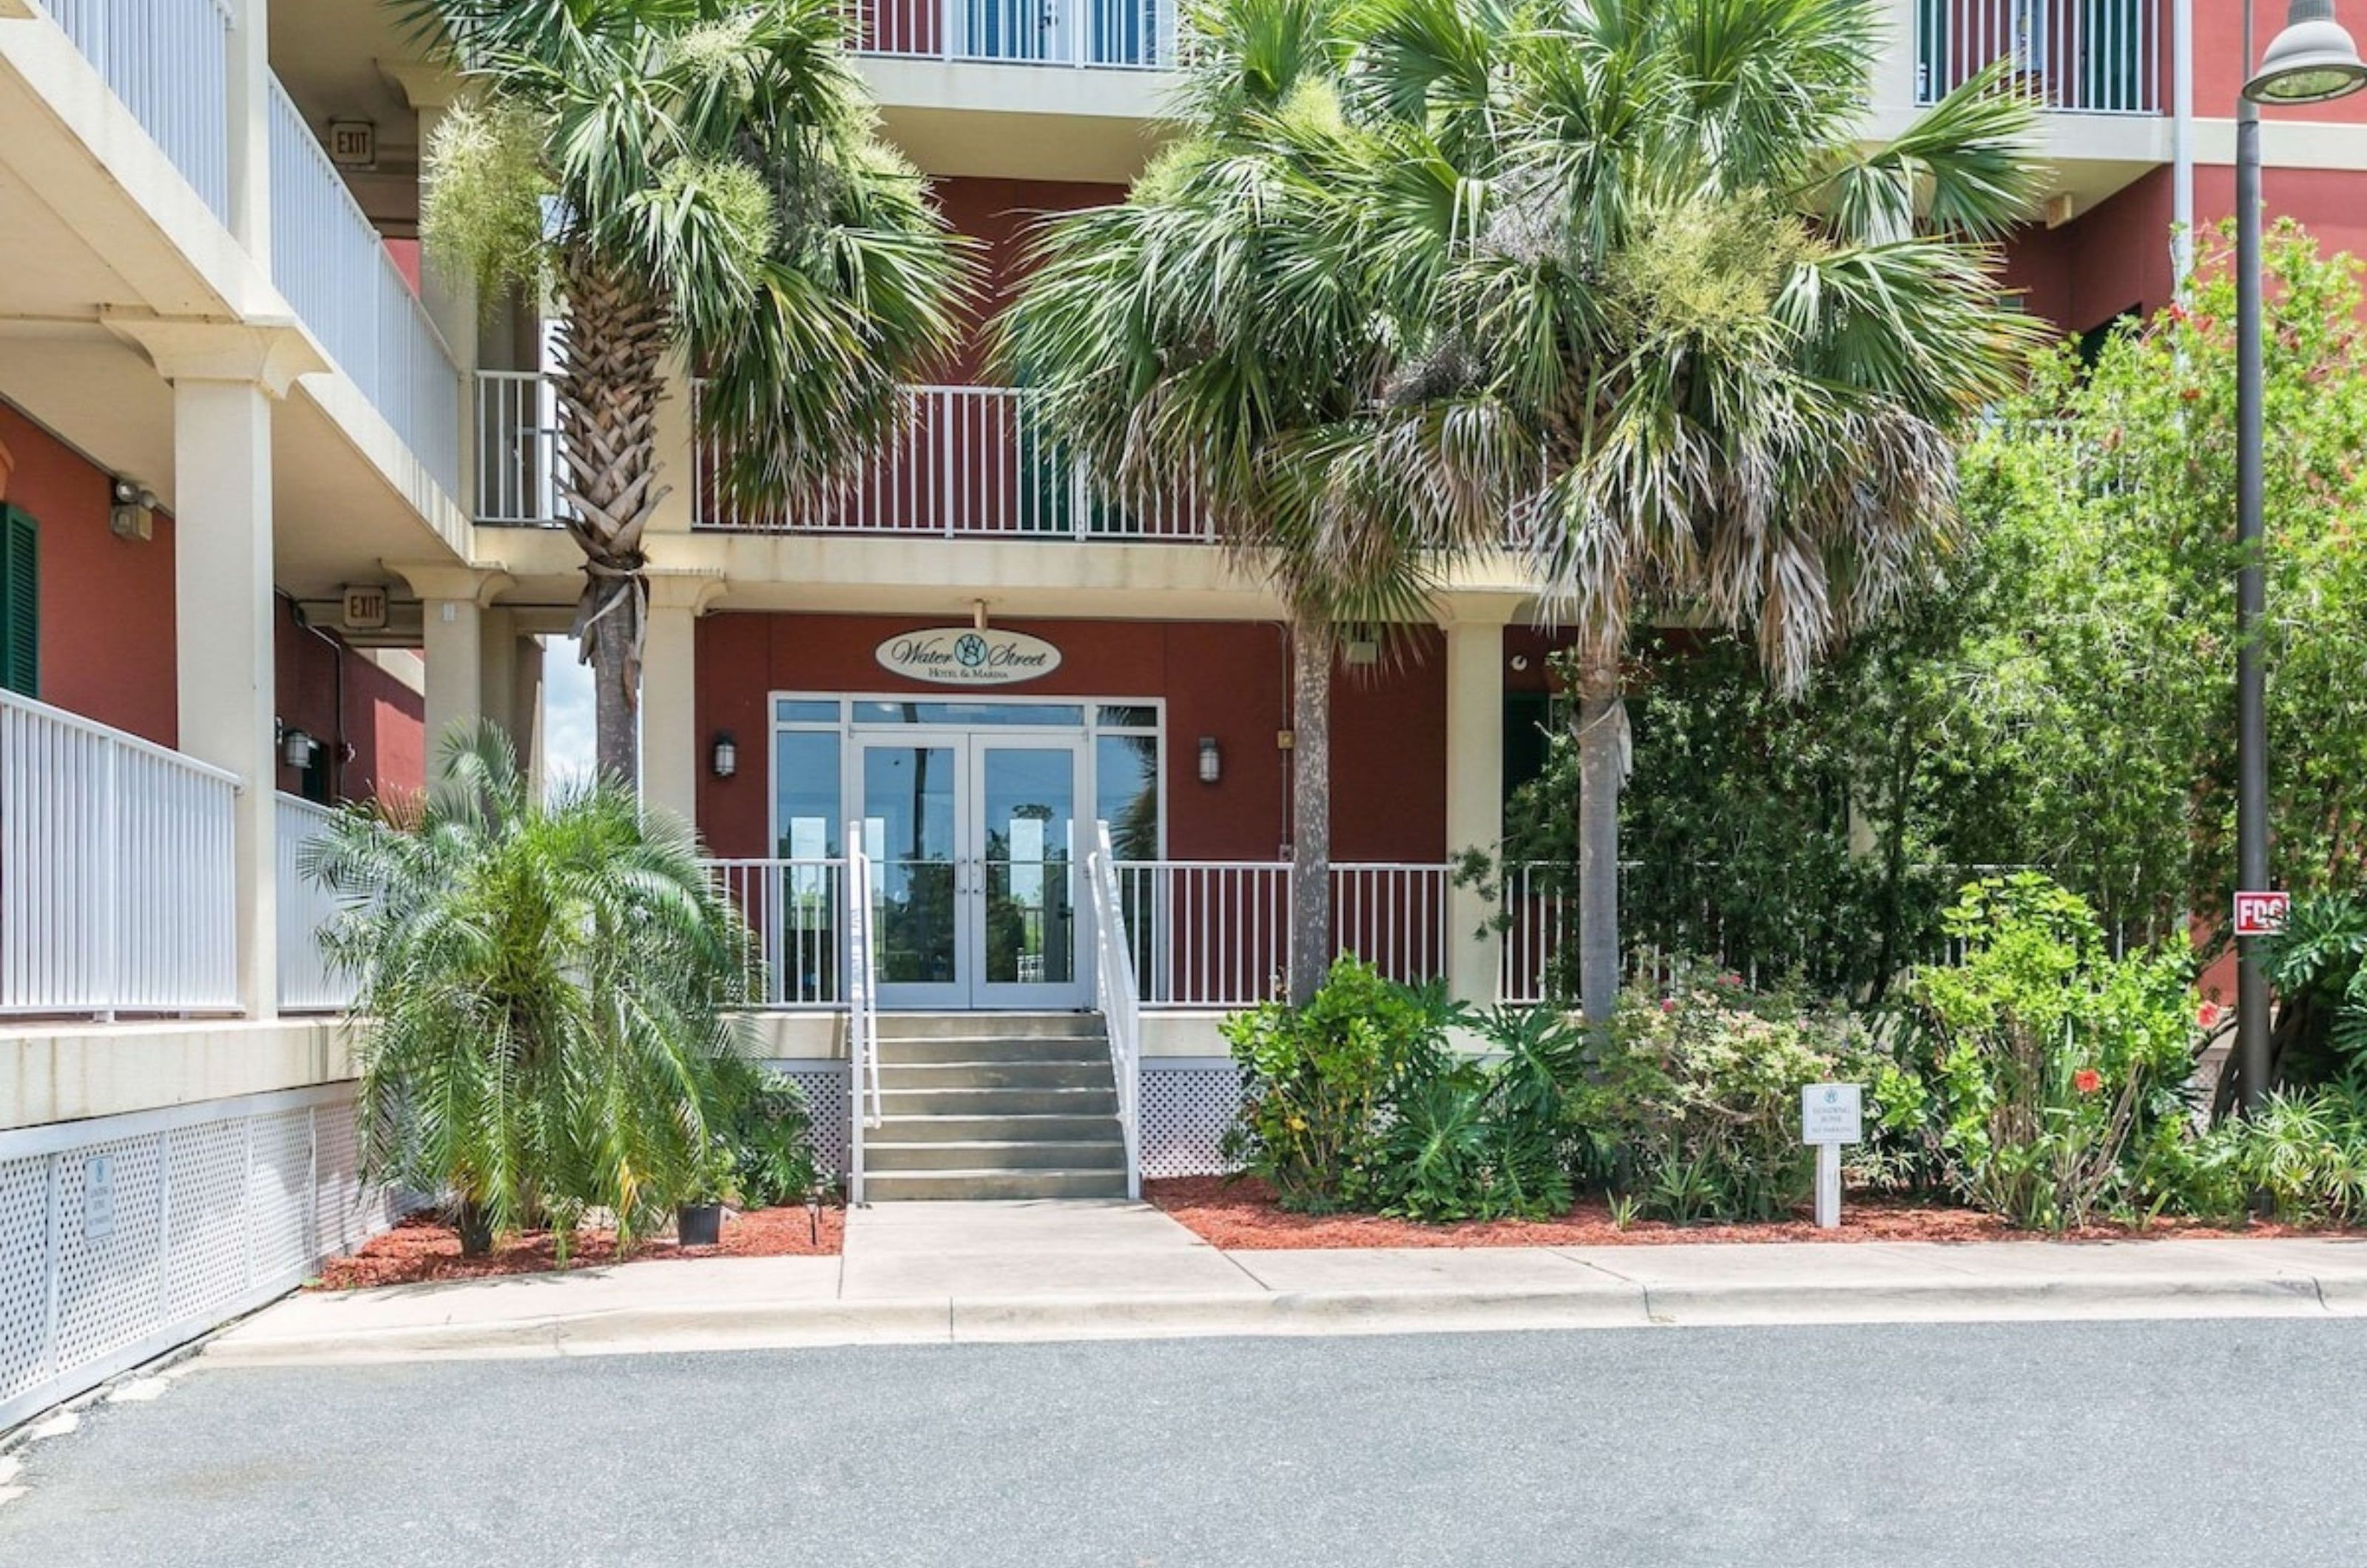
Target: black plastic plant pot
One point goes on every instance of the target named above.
(699, 1224)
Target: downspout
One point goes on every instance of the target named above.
(2181, 144)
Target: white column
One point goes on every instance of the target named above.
(225, 379)
(670, 744)
(1475, 784)
(497, 670)
(677, 445)
(525, 709)
(249, 100)
(452, 605)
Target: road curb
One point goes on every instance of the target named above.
(743, 1324)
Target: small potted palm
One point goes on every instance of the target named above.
(698, 1220)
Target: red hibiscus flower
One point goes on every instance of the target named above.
(2206, 1017)
(1667, 1004)
(2087, 1080)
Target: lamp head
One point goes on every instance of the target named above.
(2312, 61)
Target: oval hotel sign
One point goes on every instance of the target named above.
(965, 656)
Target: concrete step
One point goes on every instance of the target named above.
(994, 1075)
(891, 1186)
(1008, 1026)
(1106, 1154)
(1100, 1102)
(1085, 1128)
(997, 1048)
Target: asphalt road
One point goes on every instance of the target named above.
(2025, 1444)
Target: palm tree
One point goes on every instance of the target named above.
(1631, 298)
(1204, 333)
(543, 996)
(698, 176)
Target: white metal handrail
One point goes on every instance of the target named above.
(962, 462)
(118, 884)
(1121, 998)
(329, 261)
(517, 450)
(2080, 56)
(308, 982)
(862, 1009)
(1114, 35)
(169, 62)
(1216, 933)
(797, 910)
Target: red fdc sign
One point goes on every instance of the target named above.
(2261, 914)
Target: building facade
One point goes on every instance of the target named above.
(279, 509)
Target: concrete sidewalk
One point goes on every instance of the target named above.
(932, 1272)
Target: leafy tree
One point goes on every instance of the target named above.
(543, 996)
(694, 177)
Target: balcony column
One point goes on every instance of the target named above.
(670, 750)
(225, 379)
(1475, 782)
(247, 97)
(453, 602)
(526, 710)
(497, 669)
(677, 447)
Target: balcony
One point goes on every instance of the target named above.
(963, 462)
(2073, 56)
(1117, 35)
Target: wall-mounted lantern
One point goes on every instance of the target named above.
(296, 748)
(725, 757)
(1212, 762)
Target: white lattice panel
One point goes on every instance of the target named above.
(1184, 1113)
(109, 1287)
(209, 1216)
(206, 1210)
(825, 1086)
(23, 1281)
(280, 1194)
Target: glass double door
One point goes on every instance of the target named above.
(976, 877)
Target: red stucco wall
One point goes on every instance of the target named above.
(997, 213)
(383, 718)
(1227, 680)
(107, 603)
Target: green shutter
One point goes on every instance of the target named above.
(20, 601)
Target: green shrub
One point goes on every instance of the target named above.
(1478, 1140)
(1317, 1082)
(1692, 1111)
(769, 1136)
(2052, 1071)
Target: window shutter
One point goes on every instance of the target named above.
(20, 601)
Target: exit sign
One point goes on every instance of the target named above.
(353, 144)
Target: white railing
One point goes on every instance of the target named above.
(1216, 933)
(797, 910)
(2083, 56)
(1126, 35)
(1121, 998)
(328, 260)
(518, 448)
(1538, 919)
(169, 62)
(119, 888)
(862, 1008)
(308, 982)
(961, 462)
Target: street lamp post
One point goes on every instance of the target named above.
(2311, 60)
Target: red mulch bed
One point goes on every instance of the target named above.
(1242, 1216)
(422, 1249)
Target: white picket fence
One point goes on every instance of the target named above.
(169, 62)
(327, 258)
(118, 871)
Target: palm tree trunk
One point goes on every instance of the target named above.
(1310, 807)
(1601, 734)
(610, 351)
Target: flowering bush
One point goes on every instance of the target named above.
(1694, 1109)
(2048, 1069)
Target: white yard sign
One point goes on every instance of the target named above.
(1831, 1114)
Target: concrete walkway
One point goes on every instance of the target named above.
(934, 1272)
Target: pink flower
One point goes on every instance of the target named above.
(2087, 1080)
(1667, 1004)
(2206, 1017)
